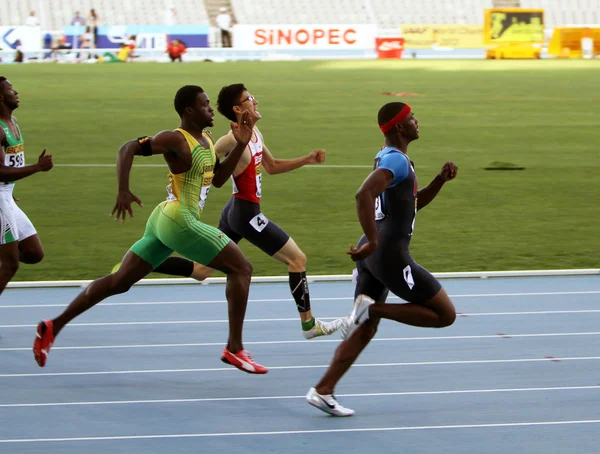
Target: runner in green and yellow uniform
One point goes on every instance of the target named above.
(175, 225)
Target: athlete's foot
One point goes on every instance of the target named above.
(359, 315)
(43, 341)
(344, 328)
(243, 361)
(327, 403)
(323, 328)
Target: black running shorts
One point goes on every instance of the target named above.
(391, 269)
(243, 219)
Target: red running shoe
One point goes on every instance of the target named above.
(43, 341)
(243, 361)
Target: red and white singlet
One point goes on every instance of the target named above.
(247, 185)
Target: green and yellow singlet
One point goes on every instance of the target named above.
(174, 225)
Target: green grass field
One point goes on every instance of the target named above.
(542, 115)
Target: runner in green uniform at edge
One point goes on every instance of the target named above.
(19, 241)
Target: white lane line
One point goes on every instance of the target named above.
(304, 366)
(293, 319)
(287, 300)
(303, 343)
(168, 322)
(164, 166)
(237, 399)
(487, 314)
(302, 432)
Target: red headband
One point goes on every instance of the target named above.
(397, 119)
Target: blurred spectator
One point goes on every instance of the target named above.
(170, 15)
(86, 42)
(19, 54)
(124, 52)
(78, 19)
(92, 23)
(175, 50)
(121, 56)
(47, 41)
(224, 24)
(87, 39)
(62, 45)
(32, 20)
(132, 43)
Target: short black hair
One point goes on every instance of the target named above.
(2, 79)
(389, 111)
(229, 96)
(186, 97)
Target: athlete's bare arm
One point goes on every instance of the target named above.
(242, 133)
(171, 144)
(273, 166)
(223, 149)
(428, 193)
(375, 184)
(8, 173)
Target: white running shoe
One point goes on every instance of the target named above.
(327, 403)
(323, 328)
(359, 315)
(344, 328)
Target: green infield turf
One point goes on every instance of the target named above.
(538, 115)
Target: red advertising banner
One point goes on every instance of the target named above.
(389, 47)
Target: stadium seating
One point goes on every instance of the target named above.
(567, 12)
(301, 12)
(59, 13)
(391, 13)
(387, 14)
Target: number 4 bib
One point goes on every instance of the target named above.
(259, 222)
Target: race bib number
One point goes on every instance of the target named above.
(203, 196)
(378, 209)
(259, 222)
(259, 185)
(14, 156)
(14, 160)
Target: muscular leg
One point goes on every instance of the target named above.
(31, 250)
(435, 313)
(201, 272)
(133, 268)
(238, 269)
(294, 258)
(9, 263)
(438, 312)
(346, 354)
